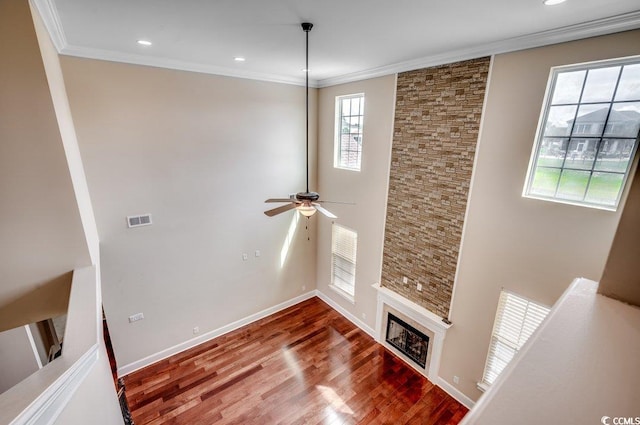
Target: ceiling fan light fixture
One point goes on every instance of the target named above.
(306, 210)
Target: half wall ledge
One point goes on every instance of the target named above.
(41, 397)
(578, 366)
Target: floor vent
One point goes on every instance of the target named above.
(139, 220)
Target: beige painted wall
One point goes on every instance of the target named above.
(534, 248)
(367, 189)
(47, 227)
(621, 277)
(41, 231)
(17, 358)
(58, 93)
(47, 301)
(96, 397)
(200, 153)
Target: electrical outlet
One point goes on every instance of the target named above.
(245, 256)
(136, 317)
(456, 380)
(419, 286)
(405, 280)
(364, 315)
(258, 253)
(304, 287)
(196, 330)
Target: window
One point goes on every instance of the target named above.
(588, 135)
(349, 121)
(343, 260)
(516, 319)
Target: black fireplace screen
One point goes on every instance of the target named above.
(407, 339)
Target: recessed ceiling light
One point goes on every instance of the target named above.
(144, 42)
(239, 59)
(305, 70)
(552, 2)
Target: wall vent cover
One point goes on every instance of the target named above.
(139, 220)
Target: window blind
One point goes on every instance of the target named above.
(343, 252)
(516, 320)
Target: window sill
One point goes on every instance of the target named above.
(482, 386)
(575, 204)
(343, 294)
(347, 168)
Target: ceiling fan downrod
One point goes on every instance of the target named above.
(307, 203)
(306, 27)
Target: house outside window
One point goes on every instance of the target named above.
(349, 128)
(588, 135)
(516, 319)
(344, 246)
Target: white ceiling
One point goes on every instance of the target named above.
(351, 39)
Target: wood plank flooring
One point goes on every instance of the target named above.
(304, 365)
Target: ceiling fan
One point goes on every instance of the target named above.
(307, 203)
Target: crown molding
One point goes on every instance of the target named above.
(109, 55)
(624, 22)
(627, 21)
(51, 19)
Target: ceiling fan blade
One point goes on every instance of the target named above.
(280, 200)
(281, 209)
(324, 211)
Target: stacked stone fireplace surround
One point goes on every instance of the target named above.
(437, 121)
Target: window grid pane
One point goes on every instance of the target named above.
(349, 135)
(590, 136)
(516, 320)
(344, 244)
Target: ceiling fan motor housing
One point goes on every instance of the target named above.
(307, 196)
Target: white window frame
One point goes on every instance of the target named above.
(541, 130)
(338, 132)
(510, 332)
(343, 251)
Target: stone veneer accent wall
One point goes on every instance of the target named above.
(436, 129)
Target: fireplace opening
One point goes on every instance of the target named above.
(407, 339)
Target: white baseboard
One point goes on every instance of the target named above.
(353, 319)
(168, 352)
(455, 393)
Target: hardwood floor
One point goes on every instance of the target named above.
(304, 365)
